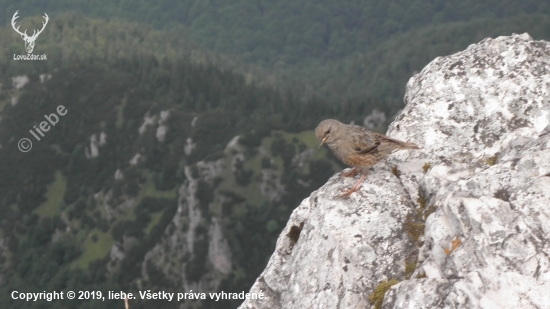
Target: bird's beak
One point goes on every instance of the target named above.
(322, 142)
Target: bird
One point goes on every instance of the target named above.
(357, 147)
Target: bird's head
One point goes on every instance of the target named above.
(327, 131)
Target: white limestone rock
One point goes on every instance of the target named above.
(148, 120)
(176, 247)
(345, 247)
(19, 82)
(163, 126)
(95, 143)
(136, 159)
(482, 119)
(189, 146)
(219, 252)
(488, 104)
(44, 77)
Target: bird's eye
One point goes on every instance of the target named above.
(327, 132)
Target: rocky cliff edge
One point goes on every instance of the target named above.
(463, 223)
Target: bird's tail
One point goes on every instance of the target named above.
(402, 145)
(405, 145)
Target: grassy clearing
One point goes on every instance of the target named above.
(93, 250)
(149, 190)
(54, 196)
(154, 221)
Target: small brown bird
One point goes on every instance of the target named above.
(357, 147)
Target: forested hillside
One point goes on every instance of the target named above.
(342, 50)
(289, 31)
(93, 205)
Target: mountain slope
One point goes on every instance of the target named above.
(139, 157)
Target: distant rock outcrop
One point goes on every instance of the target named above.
(463, 223)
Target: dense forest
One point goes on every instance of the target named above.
(157, 91)
(324, 48)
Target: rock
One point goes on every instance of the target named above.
(177, 247)
(163, 126)
(343, 245)
(147, 121)
(481, 186)
(95, 144)
(219, 253)
(19, 82)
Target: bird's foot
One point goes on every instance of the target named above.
(351, 173)
(347, 192)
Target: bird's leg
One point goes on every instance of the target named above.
(351, 173)
(348, 192)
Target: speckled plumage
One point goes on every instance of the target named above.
(357, 146)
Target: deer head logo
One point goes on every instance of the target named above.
(29, 40)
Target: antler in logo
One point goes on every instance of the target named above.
(29, 40)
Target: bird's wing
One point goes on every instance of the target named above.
(365, 141)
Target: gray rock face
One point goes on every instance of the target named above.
(482, 118)
(343, 248)
(487, 245)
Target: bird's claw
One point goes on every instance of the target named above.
(347, 193)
